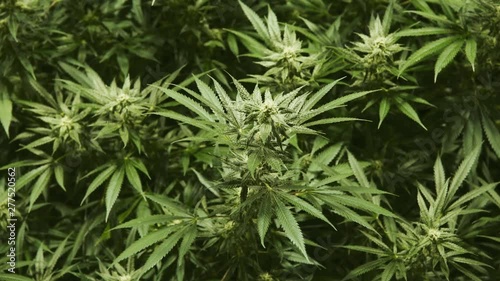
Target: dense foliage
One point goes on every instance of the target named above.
(250, 140)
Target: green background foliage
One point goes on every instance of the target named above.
(251, 140)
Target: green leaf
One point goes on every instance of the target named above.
(345, 212)
(463, 171)
(388, 272)
(144, 242)
(365, 249)
(256, 21)
(447, 56)
(305, 206)
(264, 218)
(38, 142)
(152, 219)
(357, 170)
(428, 50)
(172, 206)
(471, 51)
(424, 31)
(439, 176)
(492, 134)
(471, 195)
(13, 277)
(114, 187)
(5, 110)
(40, 185)
(164, 248)
(325, 157)
(233, 45)
(189, 103)
(369, 266)
(209, 94)
(59, 173)
(361, 204)
(103, 176)
(290, 226)
(30, 176)
(383, 109)
(273, 26)
(133, 177)
(314, 99)
(408, 110)
(253, 162)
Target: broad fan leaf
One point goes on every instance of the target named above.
(290, 226)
